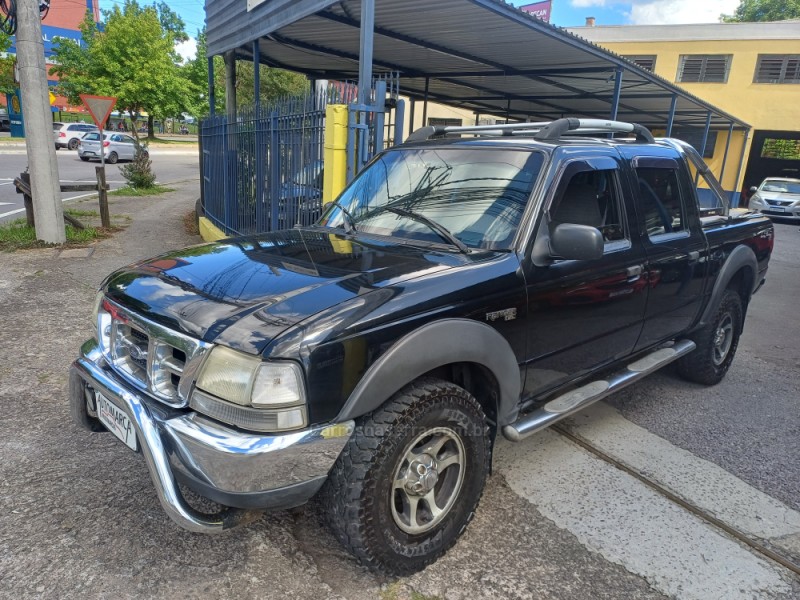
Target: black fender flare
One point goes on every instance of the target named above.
(433, 345)
(742, 257)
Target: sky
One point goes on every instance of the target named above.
(565, 13)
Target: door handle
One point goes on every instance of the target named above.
(634, 273)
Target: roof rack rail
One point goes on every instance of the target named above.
(543, 131)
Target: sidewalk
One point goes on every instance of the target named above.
(81, 517)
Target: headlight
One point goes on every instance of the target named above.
(102, 323)
(269, 396)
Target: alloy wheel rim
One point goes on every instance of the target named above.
(723, 339)
(427, 480)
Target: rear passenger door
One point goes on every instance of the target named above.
(677, 253)
(584, 314)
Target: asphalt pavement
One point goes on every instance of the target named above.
(81, 519)
(171, 163)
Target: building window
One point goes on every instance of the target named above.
(647, 62)
(694, 137)
(782, 149)
(711, 68)
(778, 68)
(444, 122)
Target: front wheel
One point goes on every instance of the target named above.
(716, 343)
(85, 158)
(113, 158)
(410, 478)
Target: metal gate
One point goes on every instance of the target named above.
(262, 169)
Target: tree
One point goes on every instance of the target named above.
(6, 66)
(133, 58)
(274, 83)
(764, 10)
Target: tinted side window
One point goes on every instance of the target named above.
(660, 200)
(591, 198)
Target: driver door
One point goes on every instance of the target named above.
(584, 314)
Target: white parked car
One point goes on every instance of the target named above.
(777, 197)
(116, 147)
(68, 135)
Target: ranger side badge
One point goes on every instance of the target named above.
(509, 314)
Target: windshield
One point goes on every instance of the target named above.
(776, 185)
(477, 194)
(91, 137)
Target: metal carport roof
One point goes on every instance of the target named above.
(483, 55)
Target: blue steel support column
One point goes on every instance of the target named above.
(211, 96)
(261, 146)
(736, 198)
(617, 93)
(671, 120)
(425, 103)
(365, 54)
(705, 133)
(725, 156)
(257, 74)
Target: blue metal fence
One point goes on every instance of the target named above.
(262, 170)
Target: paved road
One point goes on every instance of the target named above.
(81, 519)
(169, 163)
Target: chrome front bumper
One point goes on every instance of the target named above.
(241, 470)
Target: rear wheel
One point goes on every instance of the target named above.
(716, 343)
(73, 144)
(113, 158)
(410, 478)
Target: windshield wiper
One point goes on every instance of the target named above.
(349, 221)
(441, 230)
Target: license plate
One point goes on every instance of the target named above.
(778, 209)
(116, 421)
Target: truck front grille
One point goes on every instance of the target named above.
(154, 358)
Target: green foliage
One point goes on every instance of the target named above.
(133, 59)
(17, 235)
(274, 84)
(764, 10)
(139, 172)
(139, 192)
(6, 66)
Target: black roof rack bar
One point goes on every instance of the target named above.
(543, 131)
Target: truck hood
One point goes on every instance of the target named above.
(243, 292)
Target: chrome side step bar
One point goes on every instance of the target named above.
(571, 402)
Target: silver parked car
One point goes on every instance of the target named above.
(777, 197)
(116, 147)
(68, 135)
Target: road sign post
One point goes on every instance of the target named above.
(100, 108)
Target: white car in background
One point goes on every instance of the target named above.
(777, 197)
(115, 147)
(68, 135)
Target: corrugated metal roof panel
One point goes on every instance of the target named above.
(484, 55)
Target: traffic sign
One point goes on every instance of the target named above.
(100, 108)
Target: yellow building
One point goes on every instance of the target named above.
(750, 70)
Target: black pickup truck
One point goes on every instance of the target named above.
(470, 282)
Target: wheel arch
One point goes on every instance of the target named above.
(466, 352)
(739, 272)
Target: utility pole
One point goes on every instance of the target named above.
(45, 186)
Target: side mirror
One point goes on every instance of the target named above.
(753, 190)
(576, 242)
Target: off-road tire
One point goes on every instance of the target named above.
(73, 144)
(357, 497)
(112, 158)
(700, 366)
